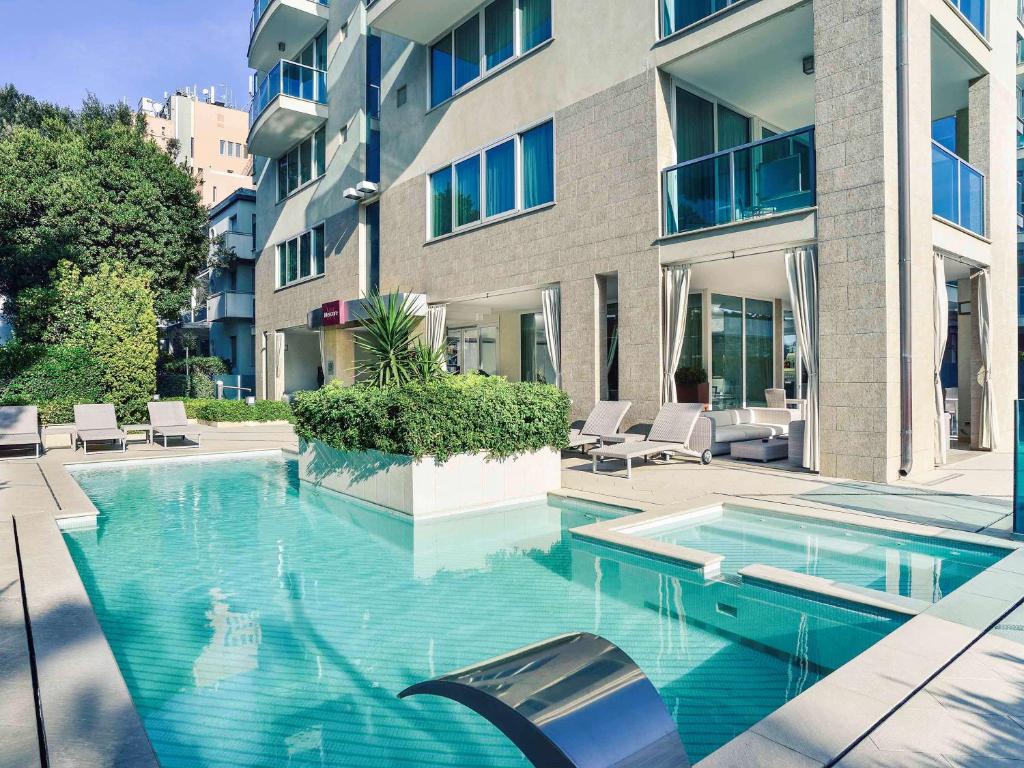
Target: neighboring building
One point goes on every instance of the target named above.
(544, 171)
(211, 136)
(221, 315)
(6, 330)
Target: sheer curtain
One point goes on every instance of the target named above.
(675, 294)
(436, 329)
(538, 165)
(501, 178)
(551, 301)
(988, 433)
(499, 32)
(802, 275)
(941, 319)
(536, 21)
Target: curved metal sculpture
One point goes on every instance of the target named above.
(574, 701)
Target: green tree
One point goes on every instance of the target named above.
(90, 188)
(110, 314)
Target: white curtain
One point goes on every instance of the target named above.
(941, 337)
(551, 301)
(675, 291)
(437, 315)
(802, 274)
(988, 432)
(278, 366)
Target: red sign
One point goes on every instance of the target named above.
(332, 313)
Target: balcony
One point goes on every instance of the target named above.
(291, 22)
(756, 180)
(409, 18)
(290, 103)
(958, 191)
(231, 305)
(241, 243)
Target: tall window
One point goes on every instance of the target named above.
(502, 30)
(704, 127)
(305, 162)
(373, 247)
(534, 360)
(301, 258)
(486, 184)
(742, 344)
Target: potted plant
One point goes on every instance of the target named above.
(692, 385)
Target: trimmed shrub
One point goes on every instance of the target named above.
(53, 378)
(440, 418)
(238, 410)
(211, 366)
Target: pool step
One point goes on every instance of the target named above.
(790, 581)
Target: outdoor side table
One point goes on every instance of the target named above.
(147, 430)
(62, 429)
(796, 442)
(766, 449)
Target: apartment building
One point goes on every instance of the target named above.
(211, 138)
(797, 194)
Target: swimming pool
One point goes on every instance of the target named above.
(899, 564)
(261, 622)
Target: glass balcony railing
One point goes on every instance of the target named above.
(958, 190)
(763, 178)
(259, 7)
(289, 79)
(678, 14)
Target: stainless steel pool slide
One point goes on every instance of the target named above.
(574, 701)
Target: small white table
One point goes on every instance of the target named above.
(768, 449)
(134, 429)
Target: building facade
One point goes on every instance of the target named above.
(211, 138)
(553, 176)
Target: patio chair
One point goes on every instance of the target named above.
(669, 434)
(603, 421)
(19, 425)
(776, 398)
(169, 420)
(97, 424)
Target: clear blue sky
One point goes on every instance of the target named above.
(58, 50)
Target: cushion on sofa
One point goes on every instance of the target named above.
(771, 415)
(721, 418)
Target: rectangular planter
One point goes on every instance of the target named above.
(422, 488)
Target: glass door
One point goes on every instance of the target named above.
(742, 351)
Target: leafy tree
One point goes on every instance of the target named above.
(110, 314)
(90, 188)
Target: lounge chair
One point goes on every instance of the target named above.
(97, 424)
(776, 398)
(669, 434)
(603, 421)
(169, 420)
(19, 425)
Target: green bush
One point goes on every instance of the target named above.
(211, 366)
(440, 418)
(237, 410)
(53, 378)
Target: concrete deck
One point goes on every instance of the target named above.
(946, 689)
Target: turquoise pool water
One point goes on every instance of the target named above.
(263, 623)
(925, 569)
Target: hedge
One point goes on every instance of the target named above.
(440, 418)
(54, 378)
(238, 410)
(211, 366)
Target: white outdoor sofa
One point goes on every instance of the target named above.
(717, 429)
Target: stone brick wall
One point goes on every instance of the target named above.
(604, 220)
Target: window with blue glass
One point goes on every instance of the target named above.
(679, 14)
(373, 247)
(514, 174)
(373, 70)
(958, 188)
(484, 41)
(974, 12)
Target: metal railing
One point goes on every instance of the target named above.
(259, 7)
(762, 178)
(958, 190)
(679, 14)
(288, 78)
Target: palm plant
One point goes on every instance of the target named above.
(389, 339)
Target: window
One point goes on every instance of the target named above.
(215, 194)
(223, 145)
(704, 127)
(401, 96)
(303, 163)
(484, 41)
(486, 184)
(301, 258)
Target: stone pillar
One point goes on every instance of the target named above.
(579, 341)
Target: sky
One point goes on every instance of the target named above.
(58, 50)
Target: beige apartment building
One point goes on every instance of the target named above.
(802, 195)
(211, 136)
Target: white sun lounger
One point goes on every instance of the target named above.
(604, 420)
(97, 423)
(19, 425)
(669, 434)
(169, 420)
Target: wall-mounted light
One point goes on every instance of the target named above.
(367, 187)
(808, 64)
(281, 46)
(353, 194)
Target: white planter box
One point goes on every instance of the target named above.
(423, 488)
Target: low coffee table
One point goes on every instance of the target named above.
(768, 449)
